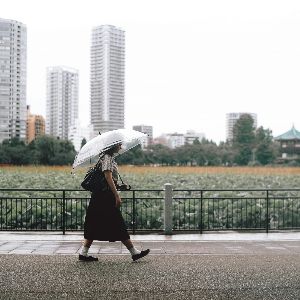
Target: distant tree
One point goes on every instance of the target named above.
(196, 142)
(14, 152)
(244, 139)
(83, 142)
(134, 156)
(264, 150)
(48, 150)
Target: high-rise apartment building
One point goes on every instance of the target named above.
(231, 119)
(13, 70)
(35, 126)
(107, 78)
(62, 101)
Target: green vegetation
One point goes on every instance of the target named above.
(220, 209)
(44, 150)
(250, 146)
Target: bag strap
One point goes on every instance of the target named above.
(98, 165)
(121, 178)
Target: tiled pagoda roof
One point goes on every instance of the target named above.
(292, 134)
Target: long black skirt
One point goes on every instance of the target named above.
(103, 220)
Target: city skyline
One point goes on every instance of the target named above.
(185, 69)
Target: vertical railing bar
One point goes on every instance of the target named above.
(260, 213)
(63, 213)
(231, 213)
(189, 225)
(218, 214)
(274, 211)
(134, 212)
(227, 225)
(213, 214)
(21, 216)
(241, 212)
(11, 212)
(267, 213)
(76, 216)
(283, 212)
(1, 214)
(16, 220)
(292, 213)
(201, 211)
(51, 213)
(246, 219)
(6, 214)
(46, 204)
(208, 213)
(194, 213)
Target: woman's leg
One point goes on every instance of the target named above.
(128, 244)
(87, 243)
(84, 251)
(136, 254)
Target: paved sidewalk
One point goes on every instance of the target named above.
(209, 266)
(209, 243)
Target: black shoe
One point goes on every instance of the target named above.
(87, 258)
(142, 254)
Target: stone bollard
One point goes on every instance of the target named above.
(168, 208)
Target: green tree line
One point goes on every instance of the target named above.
(248, 146)
(44, 150)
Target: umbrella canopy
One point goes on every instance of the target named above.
(89, 153)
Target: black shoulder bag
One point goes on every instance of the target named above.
(94, 179)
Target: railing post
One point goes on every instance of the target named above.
(168, 220)
(267, 213)
(64, 213)
(133, 212)
(201, 212)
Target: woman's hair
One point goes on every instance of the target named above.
(111, 150)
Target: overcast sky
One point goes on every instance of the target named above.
(188, 63)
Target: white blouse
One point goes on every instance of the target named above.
(109, 164)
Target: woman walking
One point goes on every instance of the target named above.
(104, 221)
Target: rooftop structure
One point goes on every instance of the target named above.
(290, 145)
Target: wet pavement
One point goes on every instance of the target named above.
(209, 266)
(211, 243)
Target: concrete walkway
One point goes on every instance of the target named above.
(209, 266)
(210, 243)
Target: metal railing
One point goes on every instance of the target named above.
(145, 210)
(260, 209)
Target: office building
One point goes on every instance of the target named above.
(107, 78)
(13, 69)
(191, 136)
(231, 119)
(62, 101)
(35, 126)
(147, 130)
(77, 133)
(175, 140)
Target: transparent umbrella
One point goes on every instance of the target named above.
(90, 152)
